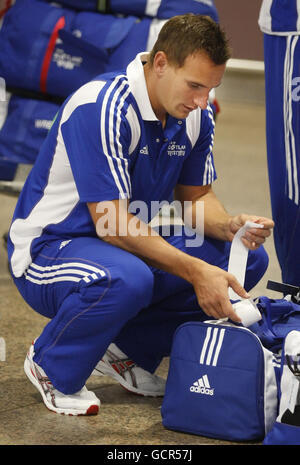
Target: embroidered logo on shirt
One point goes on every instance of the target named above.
(145, 150)
(175, 149)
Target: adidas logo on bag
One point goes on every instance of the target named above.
(202, 386)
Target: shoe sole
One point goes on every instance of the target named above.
(92, 410)
(106, 371)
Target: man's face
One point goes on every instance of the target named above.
(182, 90)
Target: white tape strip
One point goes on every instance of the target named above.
(238, 256)
(245, 309)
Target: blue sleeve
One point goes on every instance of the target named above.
(97, 146)
(199, 167)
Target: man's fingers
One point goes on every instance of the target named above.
(257, 234)
(221, 309)
(225, 310)
(266, 222)
(233, 316)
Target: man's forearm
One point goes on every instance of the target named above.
(147, 244)
(210, 282)
(216, 219)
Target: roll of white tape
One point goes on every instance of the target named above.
(247, 312)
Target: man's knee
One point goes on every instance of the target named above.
(134, 282)
(127, 288)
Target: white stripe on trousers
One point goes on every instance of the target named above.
(62, 272)
(290, 146)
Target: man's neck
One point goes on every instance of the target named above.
(150, 79)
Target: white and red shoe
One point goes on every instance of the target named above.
(132, 377)
(83, 402)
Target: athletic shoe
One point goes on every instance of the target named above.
(83, 402)
(131, 377)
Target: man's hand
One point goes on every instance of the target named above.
(253, 238)
(211, 287)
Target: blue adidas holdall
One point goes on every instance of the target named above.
(221, 383)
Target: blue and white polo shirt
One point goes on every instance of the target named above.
(106, 143)
(280, 17)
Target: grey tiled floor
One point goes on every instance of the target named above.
(124, 418)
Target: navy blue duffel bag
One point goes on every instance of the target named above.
(56, 50)
(25, 128)
(162, 9)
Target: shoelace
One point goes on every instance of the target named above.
(45, 383)
(122, 366)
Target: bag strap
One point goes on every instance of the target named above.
(69, 38)
(49, 52)
(8, 4)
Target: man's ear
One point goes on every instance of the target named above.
(160, 63)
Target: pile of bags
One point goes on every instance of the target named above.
(48, 50)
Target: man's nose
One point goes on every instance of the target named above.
(201, 101)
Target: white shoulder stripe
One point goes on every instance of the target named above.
(209, 171)
(108, 145)
(193, 126)
(84, 95)
(123, 172)
(134, 127)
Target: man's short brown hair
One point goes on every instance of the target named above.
(188, 34)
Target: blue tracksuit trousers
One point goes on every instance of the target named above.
(95, 293)
(282, 83)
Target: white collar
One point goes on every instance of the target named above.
(138, 87)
